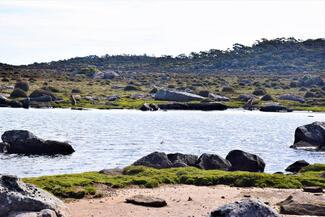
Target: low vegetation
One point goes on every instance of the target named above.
(94, 184)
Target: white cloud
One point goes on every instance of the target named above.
(46, 30)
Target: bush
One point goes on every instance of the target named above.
(18, 93)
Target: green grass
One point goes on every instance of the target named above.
(85, 184)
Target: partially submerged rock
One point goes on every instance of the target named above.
(213, 162)
(245, 208)
(244, 161)
(149, 107)
(302, 206)
(297, 166)
(24, 142)
(18, 197)
(310, 135)
(178, 96)
(149, 201)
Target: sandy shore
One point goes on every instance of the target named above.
(203, 200)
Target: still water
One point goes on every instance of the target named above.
(116, 138)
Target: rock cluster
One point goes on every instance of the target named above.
(235, 160)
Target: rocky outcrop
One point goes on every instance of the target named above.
(24, 142)
(310, 136)
(244, 208)
(297, 166)
(17, 197)
(244, 161)
(275, 108)
(213, 162)
(5, 102)
(302, 206)
(177, 96)
(148, 201)
(291, 97)
(214, 106)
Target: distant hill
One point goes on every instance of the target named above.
(280, 56)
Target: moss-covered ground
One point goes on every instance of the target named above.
(86, 184)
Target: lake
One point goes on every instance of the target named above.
(116, 138)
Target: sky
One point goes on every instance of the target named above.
(47, 30)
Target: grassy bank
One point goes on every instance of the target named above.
(93, 183)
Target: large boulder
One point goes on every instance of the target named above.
(148, 201)
(311, 206)
(18, 93)
(183, 159)
(291, 97)
(244, 208)
(213, 106)
(244, 161)
(310, 135)
(297, 166)
(24, 142)
(213, 162)
(18, 197)
(178, 96)
(157, 160)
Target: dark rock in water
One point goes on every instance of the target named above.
(313, 189)
(193, 106)
(25, 102)
(297, 166)
(244, 208)
(24, 142)
(178, 96)
(244, 161)
(4, 100)
(275, 108)
(183, 159)
(149, 107)
(311, 134)
(157, 160)
(16, 196)
(213, 162)
(15, 104)
(302, 206)
(149, 201)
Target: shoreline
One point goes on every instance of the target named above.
(182, 200)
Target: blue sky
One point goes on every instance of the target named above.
(46, 30)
